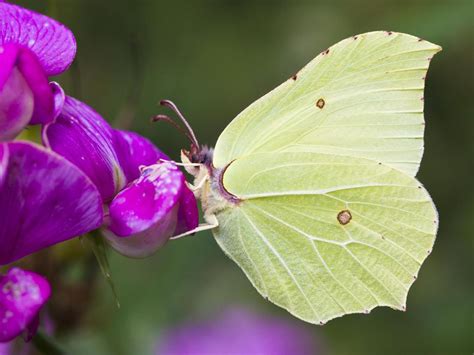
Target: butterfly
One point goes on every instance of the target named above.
(311, 190)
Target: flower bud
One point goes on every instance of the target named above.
(22, 295)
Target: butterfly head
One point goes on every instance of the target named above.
(201, 155)
(197, 161)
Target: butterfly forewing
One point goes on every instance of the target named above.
(362, 97)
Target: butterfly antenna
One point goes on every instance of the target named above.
(167, 119)
(190, 135)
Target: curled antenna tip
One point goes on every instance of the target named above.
(190, 133)
(157, 118)
(167, 103)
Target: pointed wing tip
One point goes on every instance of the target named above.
(436, 47)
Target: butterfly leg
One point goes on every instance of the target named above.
(185, 165)
(202, 227)
(198, 186)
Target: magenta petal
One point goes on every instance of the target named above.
(3, 162)
(144, 215)
(44, 200)
(50, 41)
(134, 151)
(83, 137)
(188, 213)
(34, 75)
(25, 94)
(8, 59)
(16, 96)
(146, 200)
(22, 295)
(16, 105)
(58, 98)
(146, 243)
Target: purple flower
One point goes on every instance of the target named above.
(147, 199)
(47, 197)
(238, 332)
(32, 47)
(22, 295)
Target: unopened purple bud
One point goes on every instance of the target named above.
(22, 295)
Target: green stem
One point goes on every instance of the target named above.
(46, 345)
(99, 248)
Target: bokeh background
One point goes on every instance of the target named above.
(213, 58)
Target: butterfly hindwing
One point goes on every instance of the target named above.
(325, 235)
(362, 97)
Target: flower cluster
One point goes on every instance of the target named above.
(86, 175)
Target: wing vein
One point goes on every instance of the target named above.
(251, 261)
(297, 230)
(283, 263)
(326, 266)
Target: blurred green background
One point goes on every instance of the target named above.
(213, 58)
